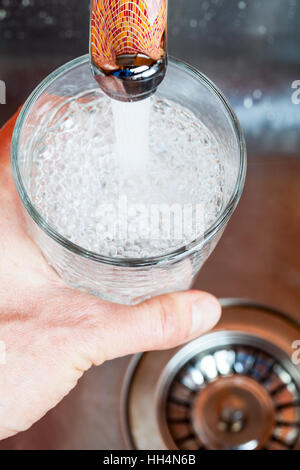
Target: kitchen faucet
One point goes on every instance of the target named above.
(128, 46)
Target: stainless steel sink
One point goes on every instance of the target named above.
(251, 50)
(153, 400)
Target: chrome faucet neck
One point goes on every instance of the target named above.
(128, 46)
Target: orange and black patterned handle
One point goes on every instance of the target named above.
(126, 35)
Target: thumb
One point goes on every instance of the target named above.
(160, 323)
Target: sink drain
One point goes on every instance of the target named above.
(234, 388)
(233, 398)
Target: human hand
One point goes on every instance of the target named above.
(53, 333)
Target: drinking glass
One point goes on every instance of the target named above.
(125, 280)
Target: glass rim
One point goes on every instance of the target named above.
(175, 255)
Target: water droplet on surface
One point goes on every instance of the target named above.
(248, 102)
(242, 5)
(257, 94)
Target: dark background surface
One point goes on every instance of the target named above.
(251, 50)
(244, 46)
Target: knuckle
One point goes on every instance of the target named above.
(172, 331)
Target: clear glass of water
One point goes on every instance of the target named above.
(127, 234)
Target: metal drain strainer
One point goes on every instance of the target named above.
(233, 398)
(234, 388)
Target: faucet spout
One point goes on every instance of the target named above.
(128, 46)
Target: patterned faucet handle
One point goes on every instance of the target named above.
(127, 33)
